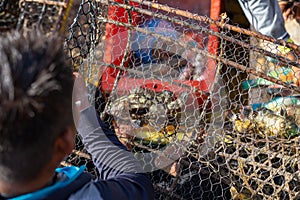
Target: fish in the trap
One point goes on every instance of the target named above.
(264, 122)
(288, 106)
(149, 136)
(157, 113)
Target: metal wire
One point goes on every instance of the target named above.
(226, 121)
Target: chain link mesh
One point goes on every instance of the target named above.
(209, 108)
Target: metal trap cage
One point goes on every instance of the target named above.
(47, 15)
(209, 108)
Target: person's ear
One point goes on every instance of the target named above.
(65, 143)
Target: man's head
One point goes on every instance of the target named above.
(35, 104)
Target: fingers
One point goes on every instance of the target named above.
(76, 74)
(80, 97)
(287, 14)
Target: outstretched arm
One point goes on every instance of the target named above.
(121, 175)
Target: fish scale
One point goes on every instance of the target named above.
(264, 122)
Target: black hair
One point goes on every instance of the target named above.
(36, 85)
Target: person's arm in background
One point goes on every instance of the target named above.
(121, 175)
(266, 17)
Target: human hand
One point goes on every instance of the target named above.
(287, 9)
(79, 98)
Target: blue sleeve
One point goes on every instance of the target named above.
(120, 172)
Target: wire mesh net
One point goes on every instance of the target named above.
(47, 15)
(210, 109)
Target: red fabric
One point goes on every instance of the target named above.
(213, 41)
(116, 36)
